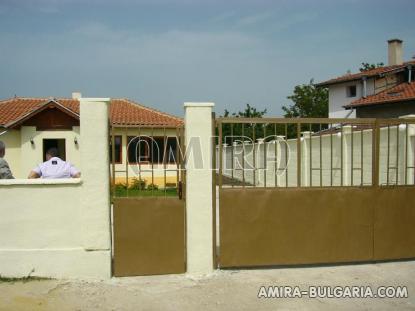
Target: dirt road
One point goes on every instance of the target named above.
(224, 290)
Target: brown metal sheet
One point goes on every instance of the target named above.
(260, 227)
(395, 223)
(149, 236)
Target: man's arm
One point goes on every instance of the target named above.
(74, 172)
(33, 175)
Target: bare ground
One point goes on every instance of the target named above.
(224, 290)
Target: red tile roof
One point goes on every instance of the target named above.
(368, 73)
(401, 92)
(122, 112)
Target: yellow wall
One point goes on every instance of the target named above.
(24, 156)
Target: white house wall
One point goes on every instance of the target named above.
(338, 97)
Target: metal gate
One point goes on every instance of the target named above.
(147, 190)
(309, 191)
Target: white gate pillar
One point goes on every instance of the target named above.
(199, 152)
(95, 201)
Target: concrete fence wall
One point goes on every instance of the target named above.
(61, 228)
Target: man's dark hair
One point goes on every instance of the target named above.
(53, 152)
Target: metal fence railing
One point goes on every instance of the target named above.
(315, 152)
(147, 161)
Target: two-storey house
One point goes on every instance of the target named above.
(383, 92)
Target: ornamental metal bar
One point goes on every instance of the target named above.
(275, 156)
(265, 156)
(351, 157)
(321, 156)
(232, 155)
(341, 154)
(311, 155)
(298, 154)
(361, 157)
(406, 154)
(286, 155)
(126, 165)
(397, 156)
(388, 157)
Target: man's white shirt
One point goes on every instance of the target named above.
(55, 168)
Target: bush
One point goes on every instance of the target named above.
(152, 187)
(120, 186)
(138, 184)
(119, 189)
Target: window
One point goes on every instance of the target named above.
(138, 149)
(152, 150)
(351, 91)
(55, 143)
(118, 149)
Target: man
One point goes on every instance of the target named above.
(54, 167)
(5, 172)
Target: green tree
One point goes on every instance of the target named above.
(251, 130)
(309, 102)
(249, 112)
(367, 66)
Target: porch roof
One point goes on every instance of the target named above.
(123, 112)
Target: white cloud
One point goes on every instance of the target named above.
(255, 19)
(159, 68)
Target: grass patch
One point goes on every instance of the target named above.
(24, 279)
(170, 192)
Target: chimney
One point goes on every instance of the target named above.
(395, 54)
(76, 95)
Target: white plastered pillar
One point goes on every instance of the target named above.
(95, 201)
(199, 231)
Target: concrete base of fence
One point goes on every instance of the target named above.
(56, 263)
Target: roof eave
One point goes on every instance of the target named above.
(327, 84)
(395, 70)
(379, 103)
(167, 126)
(27, 116)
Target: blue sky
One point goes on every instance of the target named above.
(163, 53)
